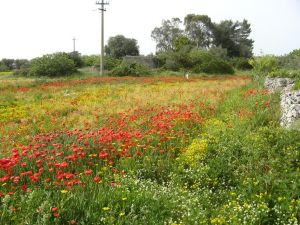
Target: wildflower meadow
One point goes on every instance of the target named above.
(145, 150)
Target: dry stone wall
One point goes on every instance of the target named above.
(290, 100)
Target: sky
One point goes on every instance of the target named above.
(32, 28)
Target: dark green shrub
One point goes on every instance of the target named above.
(58, 64)
(94, 60)
(75, 56)
(8, 64)
(111, 63)
(200, 56)
(241, 63)
(130, 69)
(3, 67)
(205, 62)
(219, 52)
(217, 66)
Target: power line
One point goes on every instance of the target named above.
(102, 9)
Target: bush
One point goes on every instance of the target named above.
(175, 60)
(241, 63)
(75, 56)
(58, 64)
(264, 64)
(111, 63)
(205, 62)
(291, 61)
(216, 66)
(294, 74)
(130, 69)
(3, 68)
(219, 52)
(90, 60)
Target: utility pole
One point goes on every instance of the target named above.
(74, 40)
(102, 9)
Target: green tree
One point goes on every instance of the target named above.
(295, 52)
(234, 36)
(199, 29)
(3, 67)
(166, 35)
(120, 46)
(182, 42)
(21, 63)
(76, 57)
(57, 64)
(8, 63)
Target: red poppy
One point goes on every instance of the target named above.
(88, 172)
(97, 179)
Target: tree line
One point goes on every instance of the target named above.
(196, 44)
(200, 32)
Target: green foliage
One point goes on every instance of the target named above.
(241, 63)
(120, 46)
(219, 52)
(175, 60)
(234, 36)
(110, 63)
(196, 60)
(250, 164)
(13, 64)
(3, 67)
(181, 42)
(21, 64)
(57, 64)
(297, 86)
(7, 64)
(76, 57)
(295, 52)
(130, 69)
(22, 72)
(200, 32)
(90, 60)
(264, 64)
(290, 61)
(204, 61)
(166, 35)
(294, 74)
(216, 66)
(199, 29)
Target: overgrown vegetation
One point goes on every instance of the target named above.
(196, 154)
(130, 69)
(277, 66)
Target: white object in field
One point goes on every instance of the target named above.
(186, 76)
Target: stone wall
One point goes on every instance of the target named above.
(290, 100)
(279, 84)
(290, 107)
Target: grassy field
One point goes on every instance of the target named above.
(147, 150)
